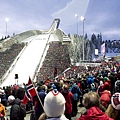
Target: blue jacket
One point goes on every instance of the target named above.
(75, 90)
(37, 105)
(90, 80)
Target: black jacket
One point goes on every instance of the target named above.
(15, 110)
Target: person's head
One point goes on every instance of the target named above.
(65, 89)
(91, 99)
(114, 108)
(115, 101)
(117, 86)
(106, 79)
(101, 83)
(11, 98)
(54, 104)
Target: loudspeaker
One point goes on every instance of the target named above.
(16, 76)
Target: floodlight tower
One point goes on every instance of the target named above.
(83, 19)
(6, 20)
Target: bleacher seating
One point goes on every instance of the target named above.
(7, 57)
(57, 57)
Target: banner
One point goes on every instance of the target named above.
(103, 49)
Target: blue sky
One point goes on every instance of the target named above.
(101, 16)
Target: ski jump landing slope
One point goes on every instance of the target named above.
(28, 61)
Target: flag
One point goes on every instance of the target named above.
(103, 49)
(29, 92)
(26, 98)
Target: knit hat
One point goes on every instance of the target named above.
(115, 101)
(11, 98)
(105, 78)
(54, 104)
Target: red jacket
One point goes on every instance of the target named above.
(106, 85)
(94, 113)
(105, 98)
(69, 100)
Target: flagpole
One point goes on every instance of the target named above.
(37, 94)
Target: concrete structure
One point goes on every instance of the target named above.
(32, 56)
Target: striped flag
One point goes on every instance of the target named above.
(29, 92)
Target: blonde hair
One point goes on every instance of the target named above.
(43, 116)
(91, 99)
(112, 112)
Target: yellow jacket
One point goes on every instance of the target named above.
(2, 109)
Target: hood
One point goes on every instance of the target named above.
(94, 113)
(106, 92)
(17, 101)
(91, 77)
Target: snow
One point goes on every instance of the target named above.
(27, 63)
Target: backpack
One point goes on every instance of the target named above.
(75, 92)
(22, 110)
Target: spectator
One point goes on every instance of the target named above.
(113, 109)
(2, 110)
(105, 98)
(99, 89)
(37, 104)
(75, 90)
(107, 84)
(15, 112)
(117, 86)
(90, 80)
(91, 102)
(69, 101)
(20, 92)
(3, 97)
(54, 106)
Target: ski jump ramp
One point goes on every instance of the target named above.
(31, 57)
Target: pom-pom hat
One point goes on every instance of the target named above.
(115, 101)
(54, 104)
(11, 98)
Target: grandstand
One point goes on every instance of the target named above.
(44, 51)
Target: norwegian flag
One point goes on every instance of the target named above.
(29, 92)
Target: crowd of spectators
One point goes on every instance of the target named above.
(97, 88)
(56, 61)
(7, 57)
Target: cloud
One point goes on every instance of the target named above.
(101, 16)
(67, 14)
(113, 34)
